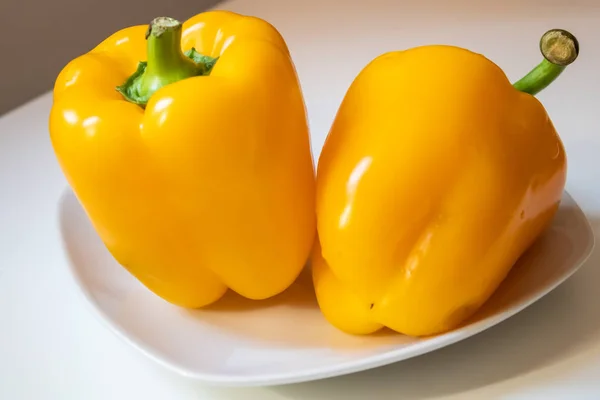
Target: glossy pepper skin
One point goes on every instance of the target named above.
(437, 174)
(211, 185)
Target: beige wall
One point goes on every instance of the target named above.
(38, 37)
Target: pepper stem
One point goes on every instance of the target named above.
(559, 48)
(166, 62)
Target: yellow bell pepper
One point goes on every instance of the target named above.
(435, 177)
(188, 147)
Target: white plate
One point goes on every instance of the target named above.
(285, 339)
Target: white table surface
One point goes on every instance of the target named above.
(52, 347)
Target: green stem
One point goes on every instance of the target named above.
(166, 62)
(559, 48)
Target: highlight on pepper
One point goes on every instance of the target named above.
(436, 176)
(187, 145)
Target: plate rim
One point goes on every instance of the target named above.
(319, 373)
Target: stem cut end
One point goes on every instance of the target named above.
(160, 25)
(560, 47)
